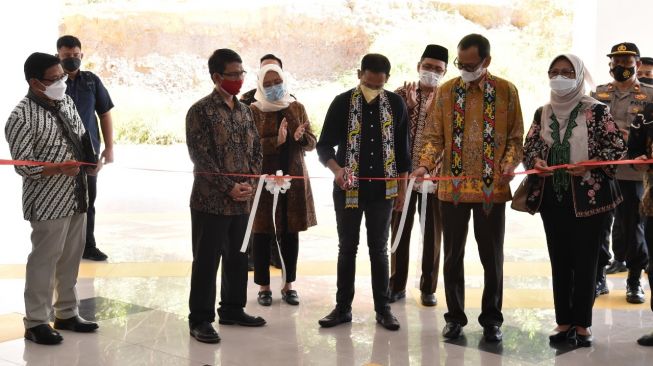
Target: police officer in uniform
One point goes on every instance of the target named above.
(626, 97)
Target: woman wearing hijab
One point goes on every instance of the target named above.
(573, 202)
(286, 136)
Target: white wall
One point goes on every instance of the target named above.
(600, 24)
(26, 26)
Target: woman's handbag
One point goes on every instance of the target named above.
(520, 195)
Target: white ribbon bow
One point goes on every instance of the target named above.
(275, 185)
(278, 183)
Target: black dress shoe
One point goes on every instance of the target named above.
(492, 333)
(616, 267)
(387, 320)
(43, 334)
(290, 297)
(452, 330)
(646, 340)
(396, 296)
(584, 340)
(563, 336)
(243, 319)
(264, 298)
(428, 299)
(204, 332)
(634, 293)
(76, 324)
(334, 318)
(94, 254)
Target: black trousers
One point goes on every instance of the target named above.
(217, 237)
(431, 248)
(628, 240)
(377, 222)
(289, 244)
(649, 242)
(489, 232)
(90, 214)
(573, 245)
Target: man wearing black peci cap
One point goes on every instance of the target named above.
(626, 97)
(419, 100)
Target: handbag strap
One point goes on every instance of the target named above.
(63, 121)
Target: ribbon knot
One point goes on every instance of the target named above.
(278, 183)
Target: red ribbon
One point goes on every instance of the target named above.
(530, 171)
(588, 163)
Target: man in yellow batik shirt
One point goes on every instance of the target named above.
(477, 126)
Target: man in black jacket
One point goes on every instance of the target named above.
(369, 126)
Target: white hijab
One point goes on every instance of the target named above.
(562, 106)
(262, 103)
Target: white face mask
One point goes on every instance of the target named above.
(429, 78)
(56, 91)
(469, 76)
(562, 86)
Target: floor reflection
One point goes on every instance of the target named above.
(102, 308)
(143, 322)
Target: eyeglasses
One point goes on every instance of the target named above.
(236, 74)
(466, 67)
(565, 73)
(63, 77)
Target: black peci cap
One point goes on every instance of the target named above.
(436, 52)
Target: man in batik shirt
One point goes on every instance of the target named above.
(477, 127)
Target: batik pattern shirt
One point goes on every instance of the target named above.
(221, 141)
(508, 135)
(33, 133)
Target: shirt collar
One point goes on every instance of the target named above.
(636, 87)
(217, 98)
(480, 84)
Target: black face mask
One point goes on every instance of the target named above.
(621, 73)
(71, 64)
(646, 80)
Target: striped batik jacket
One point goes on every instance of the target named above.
(33, 133)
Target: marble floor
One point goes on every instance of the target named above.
(139, 296)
